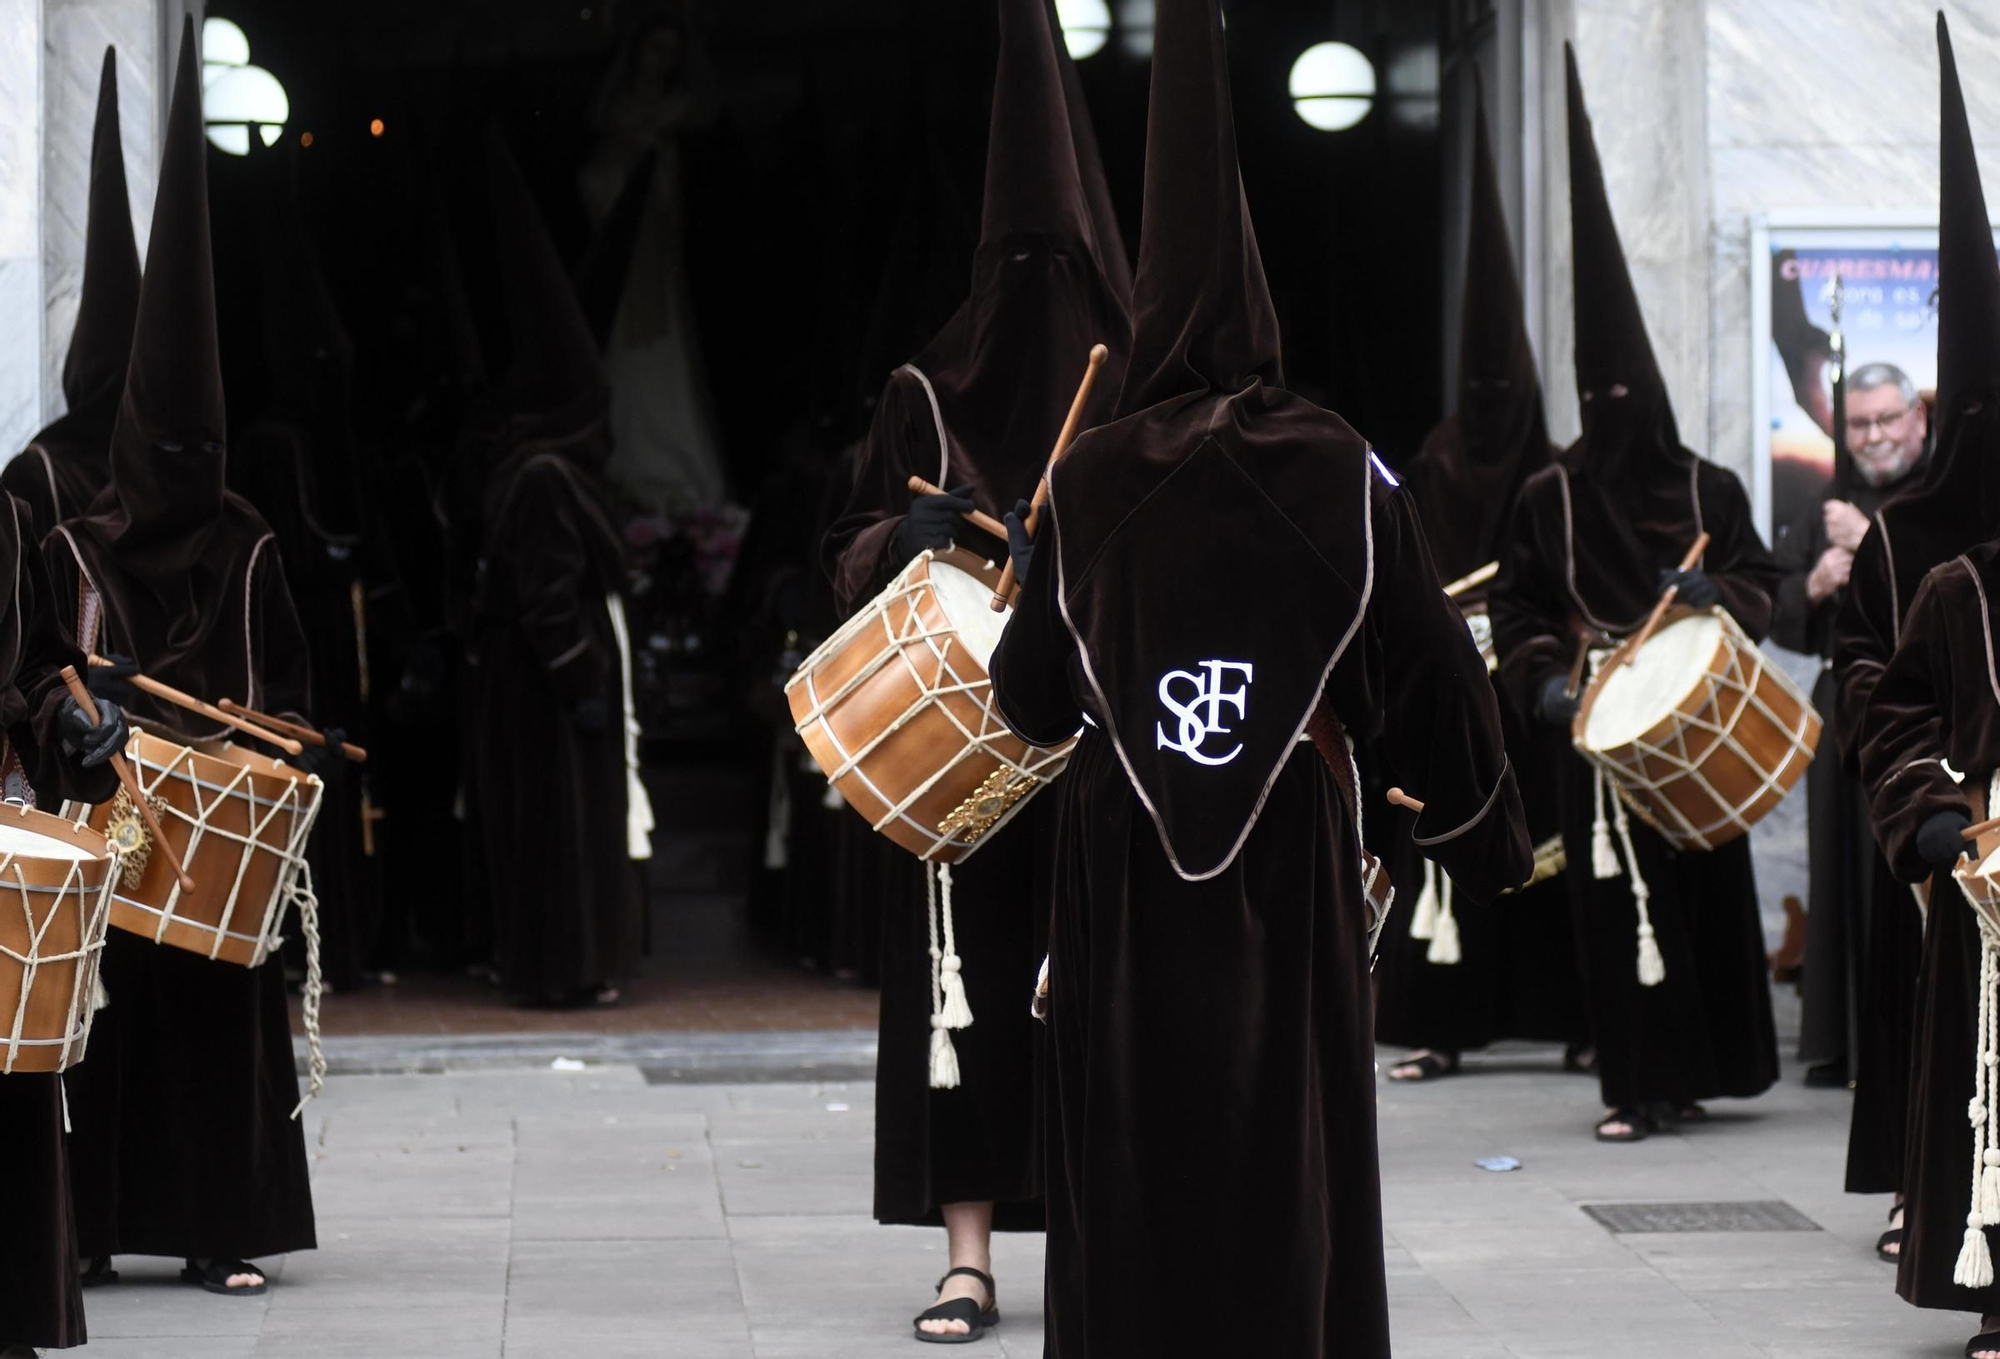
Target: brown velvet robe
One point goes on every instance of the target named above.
(1939, 700)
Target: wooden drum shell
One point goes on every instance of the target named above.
(896, 711)
(66, 902)
(1723, 757)
(238, 820)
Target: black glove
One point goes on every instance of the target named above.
(1556, 705)
(1939, 841)
(934, 521)
(1020, 547)
(1691, 587)
(113, 681)
(90, 744)
(591, 716)
(326, 760)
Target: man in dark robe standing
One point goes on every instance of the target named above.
(1450, 981)
(63, 468)
(554, 765)
(1595, 540)
(184, 1140)
(978, 410)
(1221, 567)
(1932, 701)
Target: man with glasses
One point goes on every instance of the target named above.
(1857, 908)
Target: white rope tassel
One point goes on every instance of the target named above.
(1424, 922)
(1444, 949)
(308, 904)
(944, 1057)
(1603, 858)
(957, 1010)
(1652, 967)
(1975, 1257)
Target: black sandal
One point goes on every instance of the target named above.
(214, 1276)
(1638, 1127)
(1427, 1067)
(98, 1272)
(1580, 1059)
(1892, 1237)
(1986, 1342)
(978, 1319)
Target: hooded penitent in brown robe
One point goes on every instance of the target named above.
(1935, 699)
(981, 406)
(549, 764)
(64, 467)
(1591, 537)
(1514, 974)
(1218, 562)
(295, 460)
(183, 1139)
(1951, 507)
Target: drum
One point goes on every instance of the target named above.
(1699, 733)
(897, 710)
(55, 897)
(237, 819)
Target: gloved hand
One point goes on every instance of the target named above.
(591, 716)
(933, 521)
(90, 744)
(113, 681)
(1020, 547)
(1556, 705)
(1939, 841)
(326, 761)
(1691, 587)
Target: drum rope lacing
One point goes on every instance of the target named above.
(1975, 1259)
(83, 978)
(307, 901)
(949, 1007)
(1604, 858)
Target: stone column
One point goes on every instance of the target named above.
(20, 232)
(75, 33)
(1644, 78)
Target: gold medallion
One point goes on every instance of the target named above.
(127, 830)
(977, 815)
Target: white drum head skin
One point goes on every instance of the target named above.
(15, 840)
(1636, 696)
(967, 602)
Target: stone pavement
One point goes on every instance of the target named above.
(514, 1214)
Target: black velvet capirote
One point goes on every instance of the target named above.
(550, 787)
(1214, 565)
(1938, 703)
(1589, 539)
(66, 465)
(981, 404)
(1470, 468)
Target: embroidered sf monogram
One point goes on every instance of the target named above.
(1201, 716)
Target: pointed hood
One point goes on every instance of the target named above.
(1090, 166)
(167, 451)
(1612, 349)
(1202, 317)
(1005, 367)
(101, 345)
(600, 279)
(1957, 504)
(553, 381)
(1472, 466)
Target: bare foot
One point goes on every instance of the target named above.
(1424, 1065)
(960, 1286)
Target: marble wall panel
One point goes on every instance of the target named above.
(20, 237)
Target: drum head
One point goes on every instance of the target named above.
(967, 602)
(1633, 698)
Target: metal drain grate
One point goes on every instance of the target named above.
(1765, 1215)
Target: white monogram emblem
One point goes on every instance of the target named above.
(1201, 716)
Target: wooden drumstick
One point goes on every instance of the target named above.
(146, 684)
(979, 519)
(1576, 667)
(1640, 638)
(119, 765)
(1008, 591)
(1472, 580)
(1977, 829)
(1403, 799)
(348, 749)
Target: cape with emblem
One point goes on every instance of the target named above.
(1218, 562)
(1513, 973)
(981, 405)
(1934, 699)
(553, 759)
(1590, 537)
(183, 1142)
